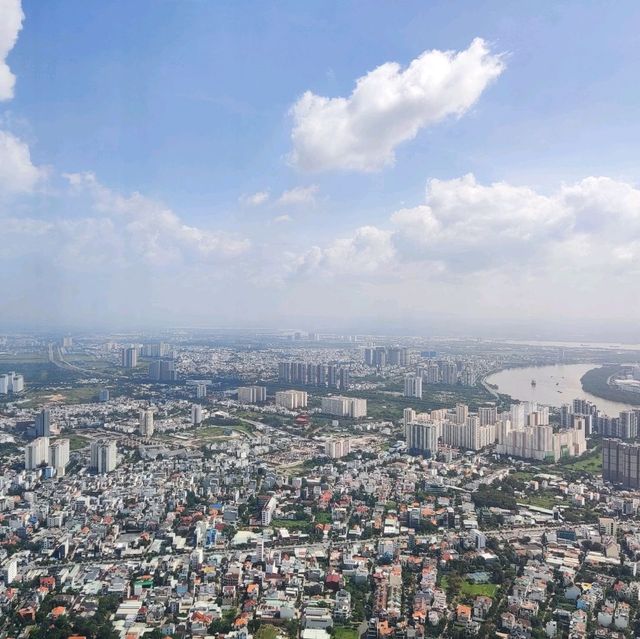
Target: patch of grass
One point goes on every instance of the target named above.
(473, 590)
(291, 524)
(544, 500)
(589, 463)
(77, 442)
(211, 432)
(267, 631)
(344, 632)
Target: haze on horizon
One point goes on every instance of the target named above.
(465, 168)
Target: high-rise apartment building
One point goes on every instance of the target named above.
(43, 423)
(488, 415)
(36, 453)
(337, 448)
(381, 356)
(413, 386)
(163, 370)
(196, 414)
(540, 442)
(291, 399)
(11, 383)
(313, 374)
(104, 456)
(252, 394)
(145, 423)
(344, 406)
(129, 357)
(201, 391)
(621, 463)
(59, 455)
(422, 438)
(155, 349)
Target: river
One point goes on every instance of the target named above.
(555, 385)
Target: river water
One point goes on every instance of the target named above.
(555, 385)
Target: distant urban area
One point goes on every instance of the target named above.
(292, 484)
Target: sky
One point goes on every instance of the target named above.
(419, 167)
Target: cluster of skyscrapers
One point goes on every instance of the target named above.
(310, 374)
(452, 427)
(621, 463)
(163, 370)
(381, 356)
(625, 426)
(524, 431)
(53, 456)
(448, 373)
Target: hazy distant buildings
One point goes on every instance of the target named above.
(145, 425)
(382, 356)
(201, 391)
(104, 395)
(413, 386)
(252, 394)
(291, 399)
(311, 374)
(129, 357)
(155, 349)
(104, 456)
(344, 406)
(621, 463)
(196, 414)
(163, 370)
(11, 383)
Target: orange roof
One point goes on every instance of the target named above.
(58, 610)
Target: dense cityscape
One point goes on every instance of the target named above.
(319, 320)
(310, 486)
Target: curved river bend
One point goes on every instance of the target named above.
(555, 385)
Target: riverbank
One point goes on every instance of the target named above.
(596, 382)
(555, 385)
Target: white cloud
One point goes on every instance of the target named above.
(255, 199)
(11, 17)
(388, 106)
(17, 172)
(148, 231)
(280, 219)
(588, 229)
(365, 252)
(299, 195)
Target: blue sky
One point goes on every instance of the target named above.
(191, 104)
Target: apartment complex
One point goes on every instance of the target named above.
(291, 399)
(340, 406)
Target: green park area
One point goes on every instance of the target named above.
(474, 590)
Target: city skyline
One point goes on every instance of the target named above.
(404, 169)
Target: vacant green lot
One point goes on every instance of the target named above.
(291, 524)
(589, 463)
(77, 442)
(344, 632)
